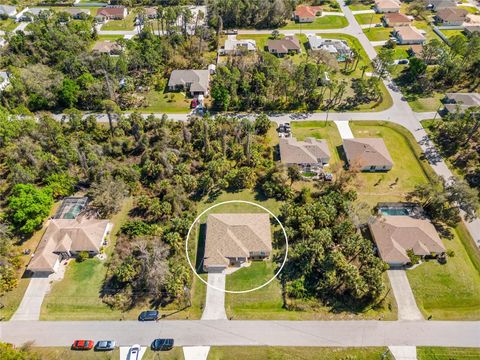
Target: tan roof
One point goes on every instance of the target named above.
(365, 152)
(473, 19)
(409, 33)
(310, 151)
(306, 11)
(150, 11)
(395, 18)
(63, 235)
(416, 49)
(106, 46)
(283, 46)
(387, 4)
(111, 11)
(236, 235)
(394, 235)
(452, 14)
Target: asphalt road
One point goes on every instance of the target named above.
(249, 333)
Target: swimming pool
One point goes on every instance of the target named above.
(394, 211)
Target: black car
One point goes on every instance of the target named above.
(105, 345)
(150, 315)
(162, 344)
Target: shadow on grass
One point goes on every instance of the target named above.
(200, 248)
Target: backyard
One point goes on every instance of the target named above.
(322, 22)
(449, 291)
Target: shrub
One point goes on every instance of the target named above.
(414, 259)
(450, 253)
(82, 256)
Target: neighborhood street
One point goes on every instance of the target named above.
(253, 333)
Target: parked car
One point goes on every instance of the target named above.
(82, 345)
(378, 25)
(134, 352)
(328, 177)
(104, 345)
(162, 344)
(403, 61)
(149, 315)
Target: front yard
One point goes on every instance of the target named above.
(170, 102)
(378, 34)
(425, 104)
(322, 22)
(450, 291)
(61, 353)
(365, 19)
(446, 353)
(120, 25)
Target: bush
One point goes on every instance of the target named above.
(450, 253)
(414, 259)
(82, 256)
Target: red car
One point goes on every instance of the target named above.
(82, 345)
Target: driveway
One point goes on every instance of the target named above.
(344, 129)
(403, 352)
(407, 307)
(215, 302)
(31, 304)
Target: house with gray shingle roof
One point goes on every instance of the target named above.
(309, 153)
(8, 10)
(194, 81)
(367, 154)
(287, 45)
(234, 239)
(394, 235)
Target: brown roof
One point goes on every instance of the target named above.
(283, 46)
(150, 11)
(365, 152)
(396, 18)
(236, 235)
(310, 151)
(63, 235)
(111, 11)
(416, 49)
(452, 14)
(106, 46)
(394, 235)
(409, 33)
(306, 11)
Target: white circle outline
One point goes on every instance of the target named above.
(237, 291)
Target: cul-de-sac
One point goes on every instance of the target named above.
(240, 179)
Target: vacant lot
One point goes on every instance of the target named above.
(365, 19)
(322, 22)
(405, 174)
(378, 34)
(311, 353)
(445, 353)
(449, 291)
(59, 353)
(431, 103)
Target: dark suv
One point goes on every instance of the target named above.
(150, 315)
(162, 344)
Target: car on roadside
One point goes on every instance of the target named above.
(149, 315)
(134, 352)
(82, 345)
(104, 345)
(378, 25)
(162, 344)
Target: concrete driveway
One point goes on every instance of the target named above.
(344, 129)
(215, 302)
(31, 304)
(407, 307)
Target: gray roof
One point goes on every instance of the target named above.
(461, 101)
(236, 235)
(8, 10)
(333, 46)
(366, 152)
(234, 44)
(198, 79)
(310, 151)
(394, 235)
(76, 11)
(442, 3)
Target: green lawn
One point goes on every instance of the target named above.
(8, 25)
(452, 33)
(170, 102)
(365, 19)
(450, 291)
(378, 34)
(110, 37)
(425, 104)
(304, 353)
(375, 187)
(125, 24)
(423, 25)
(357, 7)
(400, 51)
(322, 22)
(470, 9)
(60, 353)
(445, 353)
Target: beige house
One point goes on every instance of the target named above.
(396, 19)
(307, 154)
(287, 45)
(65, 238)
(306, 13)
(394, 235)
(451, 17)
(386, 6)
(107, 47)
(367, 154)
(234, 239)
(408, 35)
